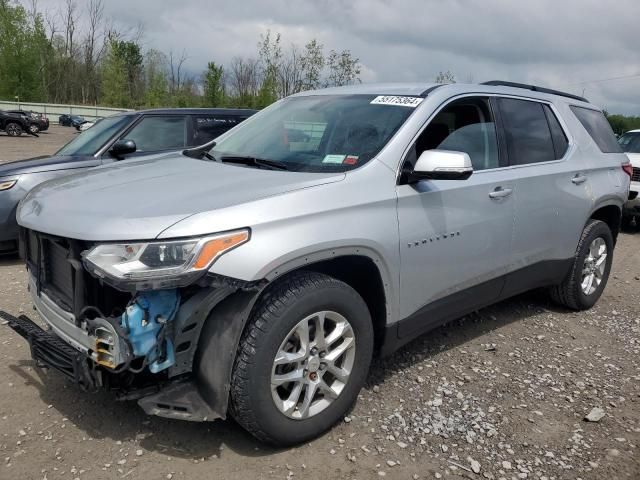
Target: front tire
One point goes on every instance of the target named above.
(34, 129)
(588, 277)
(302, 359)
(13, 129)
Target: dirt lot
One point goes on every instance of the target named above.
(25, 146)
(500, 394)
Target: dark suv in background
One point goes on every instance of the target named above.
(119, 137)
(39, 122)
(13, 124)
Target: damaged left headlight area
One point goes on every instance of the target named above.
(125, 316)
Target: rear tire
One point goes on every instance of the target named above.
(589, 273)
(13, 129)
(297, 397)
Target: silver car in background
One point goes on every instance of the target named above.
(259, 275)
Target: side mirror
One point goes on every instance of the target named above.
(122, 147)
(442, 165)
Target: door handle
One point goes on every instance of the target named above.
(500, 192)
(579, 178)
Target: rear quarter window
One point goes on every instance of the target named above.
(596, 124)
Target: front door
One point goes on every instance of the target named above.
(455, 235)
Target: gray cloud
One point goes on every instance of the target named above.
(561, 44)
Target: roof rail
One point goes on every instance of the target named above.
(534, 88)
(431, 89)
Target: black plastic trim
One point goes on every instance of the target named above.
(456, 305)
(49, 350)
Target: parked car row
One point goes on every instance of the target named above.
(256, 275)
(119, 137)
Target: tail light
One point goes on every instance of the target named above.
(628, 169)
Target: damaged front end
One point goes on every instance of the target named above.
(132, 324)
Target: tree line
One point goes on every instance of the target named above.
(76, 55)
(622, 123)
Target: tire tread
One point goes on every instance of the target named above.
(265, 315)
(567, 292)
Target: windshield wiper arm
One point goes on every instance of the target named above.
(200, 151)
(253, 161)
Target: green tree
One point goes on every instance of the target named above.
(214, 94)
(312, 64)
(22, 41)
(114, 81)
(156, 92)
(344, 69)
(621, 123)
(122, 81)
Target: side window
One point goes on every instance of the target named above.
(527, 132)
(465, 125)
(560, 142)
(155, 133)
(598, 127)
(208, 127)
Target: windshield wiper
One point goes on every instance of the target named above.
(254, 162)
(200, 151)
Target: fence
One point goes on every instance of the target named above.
(54, 110)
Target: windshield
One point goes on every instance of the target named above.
(91, 140)
(318, 133)
(630, 142)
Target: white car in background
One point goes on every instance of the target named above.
(630, 143)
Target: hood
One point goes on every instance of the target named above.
(46, 164)
(635, 159)
(138, 200)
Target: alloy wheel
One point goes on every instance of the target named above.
(313, 365)
(594, 266)
(13, 130)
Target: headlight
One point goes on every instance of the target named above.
(161, 264)
(7, 184)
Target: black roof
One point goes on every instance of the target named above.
(193, 111)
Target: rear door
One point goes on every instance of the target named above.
(206, 127)
(553, 187)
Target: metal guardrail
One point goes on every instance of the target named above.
(54, 110)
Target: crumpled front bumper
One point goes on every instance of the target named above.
(178, 399)
(49, 350)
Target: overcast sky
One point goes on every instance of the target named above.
(564, 44)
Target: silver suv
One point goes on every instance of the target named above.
(257, 276)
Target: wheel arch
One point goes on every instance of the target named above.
(611, 214)
(225, 323)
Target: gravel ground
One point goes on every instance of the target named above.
(500, 394)
(25, 146)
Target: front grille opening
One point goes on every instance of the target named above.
(56, 264)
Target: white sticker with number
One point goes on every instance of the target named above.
(412, 102)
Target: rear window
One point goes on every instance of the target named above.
(596, 124)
